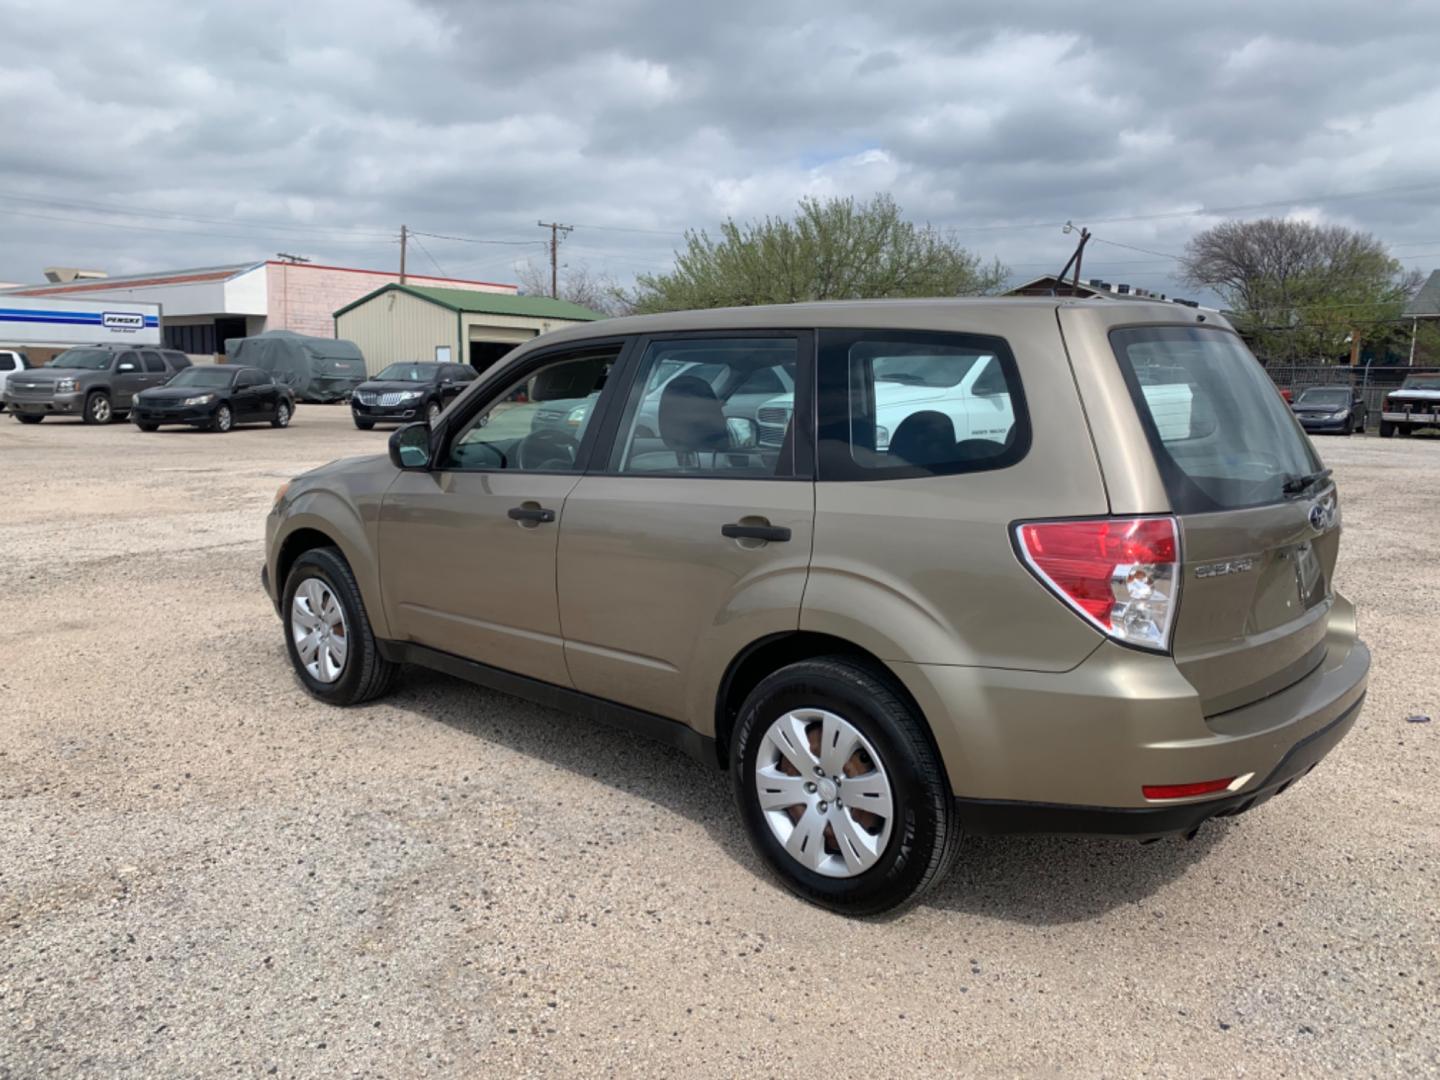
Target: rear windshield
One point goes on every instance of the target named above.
(1421, 382)
(1223, 436)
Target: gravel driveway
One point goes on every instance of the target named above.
(205, 873)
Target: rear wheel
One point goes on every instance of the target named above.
(28, 418)
(282, 415)
(147, 427)
(327, 632)
(223, 420)
(98, 409)
(1387, 429)
(840, 789)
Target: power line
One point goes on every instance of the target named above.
(475, 240)
(426, 250)
(1132, 247)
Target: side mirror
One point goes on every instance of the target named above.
(126, 365)
(410, 447)
(744, 432)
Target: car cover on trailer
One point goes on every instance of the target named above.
(317, 369)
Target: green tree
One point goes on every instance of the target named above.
(835, 249)
(1299, 290)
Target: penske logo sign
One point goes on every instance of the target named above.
(122, 320)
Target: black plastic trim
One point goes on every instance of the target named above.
(600, 710)
(1001, 817)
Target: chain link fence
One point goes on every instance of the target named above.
(1372, 381)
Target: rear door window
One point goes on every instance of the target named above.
(1223, 437)
(899, 404)
(153, 363)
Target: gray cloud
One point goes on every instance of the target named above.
(320, 127)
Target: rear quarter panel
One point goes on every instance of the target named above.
(923, 571)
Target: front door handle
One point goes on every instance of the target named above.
(737, 531)
(538, 514)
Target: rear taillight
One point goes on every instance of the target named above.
(1120, 574)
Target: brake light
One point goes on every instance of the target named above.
(1119, 574)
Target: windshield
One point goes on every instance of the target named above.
(922, 370)
(1421, 382)
(212, 377)
(408, 373)
(1223, 437)
(1324, 397)
(83, 359)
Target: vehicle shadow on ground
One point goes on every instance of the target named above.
(1030, 880)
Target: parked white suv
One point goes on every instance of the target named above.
(10, 360)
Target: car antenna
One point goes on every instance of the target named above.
(1075, 258)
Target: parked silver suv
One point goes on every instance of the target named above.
(95, 382)
(1081, 582)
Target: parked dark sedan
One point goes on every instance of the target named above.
(1338, 410)
(216, 398)
(408, 391)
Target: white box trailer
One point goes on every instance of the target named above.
(52, 322)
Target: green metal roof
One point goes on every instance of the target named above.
(471, 301)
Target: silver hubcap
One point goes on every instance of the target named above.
(824, 793)
(317, 624)
(433, 411)
(222, 419)
(283, 415)
(100, 409)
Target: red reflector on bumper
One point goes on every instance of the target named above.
(1185, 791)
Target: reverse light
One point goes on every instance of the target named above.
(1187, 791)
(1119, 574)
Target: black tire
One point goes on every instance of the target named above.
(98, 408)
(28, 418)
(366, 674)
(925, 830)
(283, 412)
(1387, 429)
(223, 420)
(364, 425)
(147, 427)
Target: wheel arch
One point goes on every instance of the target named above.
(774, 651)
(322, 519)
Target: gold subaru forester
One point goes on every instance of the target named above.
(907, 569)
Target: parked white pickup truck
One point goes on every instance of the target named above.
(10, 360)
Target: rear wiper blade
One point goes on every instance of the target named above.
(1294, 485)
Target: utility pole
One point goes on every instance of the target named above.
(404, 236)
(556, 229)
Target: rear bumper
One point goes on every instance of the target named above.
(994, 817)
(1071, 751)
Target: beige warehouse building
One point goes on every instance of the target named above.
(416, 322)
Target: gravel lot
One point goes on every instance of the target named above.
(203, 872)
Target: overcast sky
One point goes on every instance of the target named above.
(151, 136)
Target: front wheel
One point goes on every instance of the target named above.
(364, 425)
(327, 632)
(432, 412)
(839, 787)
(28, 418)
(147, 427)
(282, 415)
(223, 420)
(98, 409)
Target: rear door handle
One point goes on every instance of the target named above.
(736, 531)
(531, 513)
